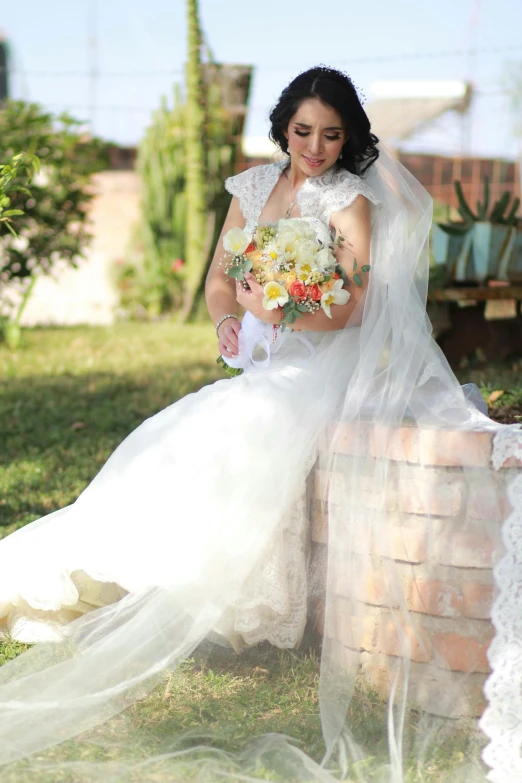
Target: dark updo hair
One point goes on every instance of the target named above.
(335, 89)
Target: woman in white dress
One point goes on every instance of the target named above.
(198, 526)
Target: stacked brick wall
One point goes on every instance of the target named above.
(443, 518)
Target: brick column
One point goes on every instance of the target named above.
(442, 522)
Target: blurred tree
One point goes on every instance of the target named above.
(54, 225)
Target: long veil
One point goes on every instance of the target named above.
(407, 505)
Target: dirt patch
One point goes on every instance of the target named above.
(506, 414)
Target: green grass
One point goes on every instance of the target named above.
(70, 396)
(67, 399)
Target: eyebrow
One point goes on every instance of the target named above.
(331, 127)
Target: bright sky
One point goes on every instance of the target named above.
(141, 50)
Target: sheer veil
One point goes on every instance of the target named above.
(374, 391)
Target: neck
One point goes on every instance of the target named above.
(295, 176)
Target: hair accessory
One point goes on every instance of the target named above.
(329, 71)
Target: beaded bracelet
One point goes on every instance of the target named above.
(228, 315)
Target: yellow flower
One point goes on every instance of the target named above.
(275, 296)
(303, 270)
(290, 278)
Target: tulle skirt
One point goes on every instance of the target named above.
(209, 493)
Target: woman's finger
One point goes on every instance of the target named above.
(230, 337)
(226, 350)
(252, 282)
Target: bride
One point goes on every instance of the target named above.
(219, 481)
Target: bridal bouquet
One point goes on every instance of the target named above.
(299, 274)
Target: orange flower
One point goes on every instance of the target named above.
(314, 292)
(297, 290)
(325, 287)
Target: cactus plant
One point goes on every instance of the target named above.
(195, 187)
(161, 164)
(497, 212)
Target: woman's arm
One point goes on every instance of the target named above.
(353, 234)
(220, 290)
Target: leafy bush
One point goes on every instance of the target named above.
(54, 225)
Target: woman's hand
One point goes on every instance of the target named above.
(252, 300)
(228, 338)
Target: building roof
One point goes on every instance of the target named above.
(395, 119)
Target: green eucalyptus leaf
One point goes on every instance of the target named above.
(302, 309)
(366, 268)
(237, 272)
(354, 264)
(357, 280)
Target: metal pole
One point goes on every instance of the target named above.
(93, 57)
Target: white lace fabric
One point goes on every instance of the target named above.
(502, 719)
(318, 198)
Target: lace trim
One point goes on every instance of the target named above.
(502, 718)
(253, 187)
(318, 198)
(273, 602)
(334, 190)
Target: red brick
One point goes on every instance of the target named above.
(404, 543)
(357, 633)
(460, 653)
(349, 438)
(455, 448)
(478, 600)
(486, 501)
(431, 596)
(390, 640)
(464, 549)
(427, 493)
(397, 443)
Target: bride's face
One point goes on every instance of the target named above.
(315, 137)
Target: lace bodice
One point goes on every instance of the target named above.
(318, 198)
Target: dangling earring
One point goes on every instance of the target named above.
(341, 155)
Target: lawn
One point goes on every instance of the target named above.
(67, 398)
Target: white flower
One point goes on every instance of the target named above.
(299, 228)
(236, 241)
(337, 295)
(306, 253)
(20, 243)
(272, 252)
(275, 296)
(303, 271)
(325, 259)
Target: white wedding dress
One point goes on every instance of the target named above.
(178, 496)
(198, 528)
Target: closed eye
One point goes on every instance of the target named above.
(306, 133)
